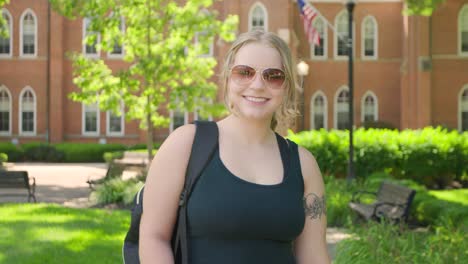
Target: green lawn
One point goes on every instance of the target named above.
(456, 196)
(46, 233)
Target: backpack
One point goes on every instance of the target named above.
(204, 145)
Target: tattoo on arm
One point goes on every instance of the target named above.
(314, 206)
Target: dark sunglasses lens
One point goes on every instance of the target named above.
(274, 77)
(242, 74)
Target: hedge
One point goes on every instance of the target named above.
(431, 156)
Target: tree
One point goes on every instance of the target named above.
(165, 66)
(3, 29)
(421, 7)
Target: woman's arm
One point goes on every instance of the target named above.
(311, 245)
(164, 183)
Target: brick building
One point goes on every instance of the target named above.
(410, 72)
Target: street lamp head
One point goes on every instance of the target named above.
(302, 68)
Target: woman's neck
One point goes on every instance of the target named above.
(247, 131)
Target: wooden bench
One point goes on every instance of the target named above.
(115, 169)
(18, 180)
(392, 202)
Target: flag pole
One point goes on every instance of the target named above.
(341, 36)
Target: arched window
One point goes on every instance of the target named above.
(342, 108)
(341, 26)
(116, 122)
(90, 121)
(5, 111)
(369, 38)
(258, 17)
(463, 30)
(320, 51)
(369, 107)
(27, 111)
(90, 39)
(178, 117)
(28, 40)
(463, 109)
(318, 111)
(6, 42)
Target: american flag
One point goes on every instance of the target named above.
(308, 15)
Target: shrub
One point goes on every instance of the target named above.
(116, 191)
(42, 152)
(14, 152)
(75, 152)
(3, 158)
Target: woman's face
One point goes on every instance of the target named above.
(257, 83)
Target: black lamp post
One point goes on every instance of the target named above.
(350, 7)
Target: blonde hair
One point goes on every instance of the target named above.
(288, 110)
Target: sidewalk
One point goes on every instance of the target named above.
(65, 184)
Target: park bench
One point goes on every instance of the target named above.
(392, 202)
(18, 180)
(115, 169)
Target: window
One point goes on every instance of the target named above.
(369, 38)
(178, 118)
(463, 109)
(321, 50)
(5, 111)
(117, 51)
(341, 36)
(28, 46)
(115, 122)
(5, 42)
(90, 39)
(463, 30)
(369, 112)
(27, 112)
(342, 109)
(206, 49)
(90, 119)
(258, 17)
(318, 111)
(196, 114)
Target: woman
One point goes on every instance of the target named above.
(248, 205)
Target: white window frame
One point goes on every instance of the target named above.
(195, 113)
(98, 40)
(83, 121)
(460, 107)
(312, 107)
(463, 11)
(372, 20)
(20, 116)
(324, 42)
(335, 36)
(10, 19)
(122, 122)
(335, 105)
(28, 11)
(265, 18)
(211, 47)
(111, 55)
(376, 105)
(171, 116)
(7, 133)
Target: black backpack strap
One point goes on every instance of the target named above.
(203, 148)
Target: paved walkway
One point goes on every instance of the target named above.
(66, 184)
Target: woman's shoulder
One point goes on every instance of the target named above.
(181, 138)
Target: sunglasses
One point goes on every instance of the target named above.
(243, 74)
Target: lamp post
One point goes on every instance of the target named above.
(302, 70)
(350, 7)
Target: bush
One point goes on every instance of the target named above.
(116, 191)
(75, 152)
(42, 152)
(432, 156)
(3, 158)
(14, 152)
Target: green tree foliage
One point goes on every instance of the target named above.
(166, 66)
(421, 7)
(3, 29)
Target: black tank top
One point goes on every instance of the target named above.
(233, 221)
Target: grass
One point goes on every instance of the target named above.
(46, 233)
(456, 196)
